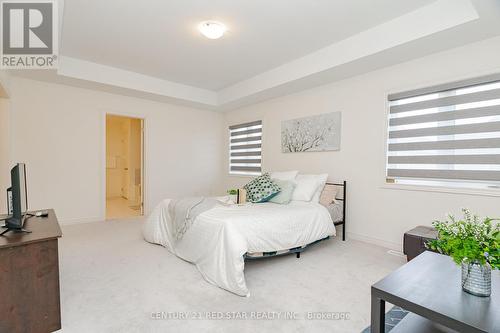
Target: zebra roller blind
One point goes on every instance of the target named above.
(448, 134)
(245, 148)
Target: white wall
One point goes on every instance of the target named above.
(374, 213)
(59, 132)
(4, 153)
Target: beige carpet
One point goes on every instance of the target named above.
(113, 281)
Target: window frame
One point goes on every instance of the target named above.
(492, 191)
(243, 173)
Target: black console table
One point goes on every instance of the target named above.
(429, 287)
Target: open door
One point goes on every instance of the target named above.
(124, 167)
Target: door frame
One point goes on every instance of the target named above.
(144, 157)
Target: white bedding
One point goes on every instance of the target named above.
(219, 237)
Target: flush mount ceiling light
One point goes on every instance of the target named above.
(212, 29)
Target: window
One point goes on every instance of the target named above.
(448, 135)
(245, 148)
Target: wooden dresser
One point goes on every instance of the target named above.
(29, 277)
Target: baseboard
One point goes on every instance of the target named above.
(375, 241)
(80, 220)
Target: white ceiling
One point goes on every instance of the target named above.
(160, 39)
(151, 48)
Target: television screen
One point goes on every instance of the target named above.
(23, 195)
(17, 199)
(19, 196)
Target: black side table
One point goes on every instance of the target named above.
(415, 239)
(430, 287)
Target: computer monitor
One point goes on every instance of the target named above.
(19, 201)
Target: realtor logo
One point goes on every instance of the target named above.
(29, 34)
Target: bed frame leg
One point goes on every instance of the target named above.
(298, 254)
(344, 210)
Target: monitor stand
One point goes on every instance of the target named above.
(8, 227)
(15, 230)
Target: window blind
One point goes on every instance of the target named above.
(245, 148)
(446, 134)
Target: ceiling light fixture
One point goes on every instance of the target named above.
(212, 29)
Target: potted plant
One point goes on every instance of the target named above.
(233, 194)
(474, 244)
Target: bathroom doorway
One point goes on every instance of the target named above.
(124, 167)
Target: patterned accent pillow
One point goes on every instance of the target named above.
(261, 189)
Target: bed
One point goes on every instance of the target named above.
(337, 213)
(219, 239)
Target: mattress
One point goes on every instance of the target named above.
(219, 238)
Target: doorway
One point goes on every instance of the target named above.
(124, 167)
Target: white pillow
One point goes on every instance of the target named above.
(318, 180)
(305, 189)
(284, 175)
(328, 195)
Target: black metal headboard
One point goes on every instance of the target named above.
(344, 203)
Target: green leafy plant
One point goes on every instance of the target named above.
(469, 239)
(232, 191)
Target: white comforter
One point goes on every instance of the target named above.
(219, 237)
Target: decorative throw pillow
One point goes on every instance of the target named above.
(261, 189)
(328, 195)
(285, 195)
